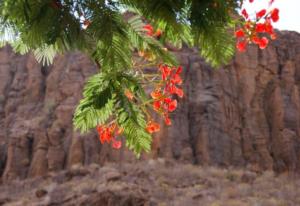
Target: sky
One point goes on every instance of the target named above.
(289, 12)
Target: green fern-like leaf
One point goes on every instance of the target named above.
(97, 104)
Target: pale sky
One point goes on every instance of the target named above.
(289, 12)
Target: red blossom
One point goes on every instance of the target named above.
(241, 46)
(255, 40)
(152, 127)
(149, 29)
(179, 92)
(172, 105)
(156, 105)
(260, 27)
(261, 13)
(179, 70)
(275, 15)
(116, 144)
(176, 79)
(263, 43)
(245, 14)
(167, 120)
(166, 71)
(239, 33)
(269, 28)
(168, 100)
(106, 134)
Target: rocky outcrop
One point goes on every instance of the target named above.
(245, 114)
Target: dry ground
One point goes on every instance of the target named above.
(154, 183)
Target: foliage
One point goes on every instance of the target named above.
(111, 32)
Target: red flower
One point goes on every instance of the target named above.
(172, 105)
(152, 127)
(241, 46)
(260, 27)
(179, 92)
(263, 43)
(275, 15)
(156, 105)
(239, 33)
(99, 129)
(167, 120)
(168, 100)
(176, 79)
(174, 90)
(116, 144)
(261, 13)
(255, 40)
(269, 27)
(251, 1)
(149, 29)
(166, 71)
(179, 70)
(105, 136)
(245, 14)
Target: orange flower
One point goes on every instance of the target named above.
(129, 94)
(158, 33)
(156, 94)
(152, 127)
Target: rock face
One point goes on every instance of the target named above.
(245, 114)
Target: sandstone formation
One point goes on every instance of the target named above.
(246, 114)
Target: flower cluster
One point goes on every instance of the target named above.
(166, 81)
(163, 103)
(150, 31)
(107, 134)
(257, 29)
